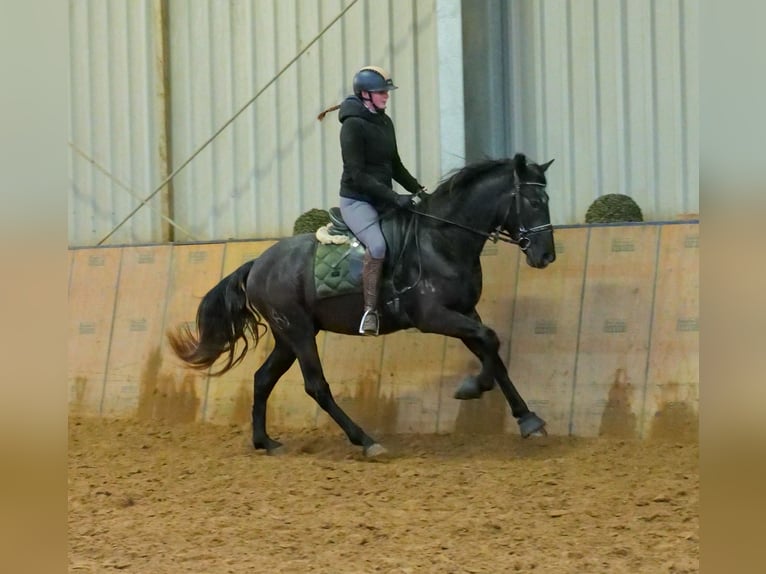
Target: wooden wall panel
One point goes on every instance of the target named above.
(410, 376)
(614, 331)
(671, 402)
(70, 268)
(604, 341)
(134, 354)
(180, 393)
(545, 329)
(92, 293)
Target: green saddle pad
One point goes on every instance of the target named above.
(338, 269)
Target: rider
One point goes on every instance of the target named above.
(370, 161)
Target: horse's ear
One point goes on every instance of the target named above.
(546, 165)
(519, 161)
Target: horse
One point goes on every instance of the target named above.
(440, 268)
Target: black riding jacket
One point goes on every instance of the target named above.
(370, 156)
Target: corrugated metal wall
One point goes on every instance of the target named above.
(277, 161)
(116, 126)
(617, 86)
(609, 88)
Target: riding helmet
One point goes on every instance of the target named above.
(372, 79)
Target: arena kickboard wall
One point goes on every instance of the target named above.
(604, 341)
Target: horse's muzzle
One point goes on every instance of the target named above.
(541, 263)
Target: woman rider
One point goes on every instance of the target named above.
(370, 161)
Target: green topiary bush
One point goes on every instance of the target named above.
(310, 221)
(613, 208)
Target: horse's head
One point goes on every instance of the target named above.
(500, 199)
(528, 220)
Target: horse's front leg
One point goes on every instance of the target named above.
(485, 344)
(474, 386)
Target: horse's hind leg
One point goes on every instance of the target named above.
(317, 388)
(266, 377)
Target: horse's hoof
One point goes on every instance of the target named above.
(278, 450)
(375, 450)
(530, 424)
(469, 389)
(267, 444)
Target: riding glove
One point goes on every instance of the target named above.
(403, 201)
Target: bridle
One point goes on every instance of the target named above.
(497, 234)
(523, 240)
(500, 234)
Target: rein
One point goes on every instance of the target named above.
(500, 234)
(497, 234)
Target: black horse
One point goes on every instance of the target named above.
(439, 269)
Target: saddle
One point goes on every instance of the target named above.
(336, 232)
(337, 221)
(338, 256)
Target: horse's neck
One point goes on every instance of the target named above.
(472, 218)
(475, 206)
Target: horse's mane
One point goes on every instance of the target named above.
(459, 178)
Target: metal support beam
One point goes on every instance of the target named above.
(162, 107)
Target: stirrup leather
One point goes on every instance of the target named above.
(369, 324)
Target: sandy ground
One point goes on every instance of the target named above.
(157, 498)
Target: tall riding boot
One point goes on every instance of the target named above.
(370, 280)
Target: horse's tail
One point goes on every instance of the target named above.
(224, 316)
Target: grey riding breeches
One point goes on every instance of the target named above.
(362, 219)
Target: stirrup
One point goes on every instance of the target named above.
(369, 324)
